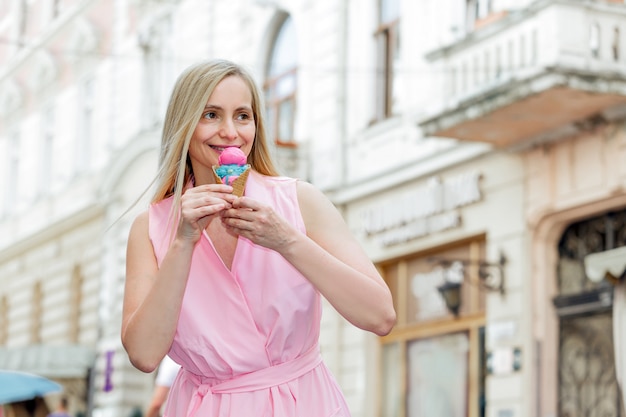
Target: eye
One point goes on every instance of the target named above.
(209, 115)
(243, 116)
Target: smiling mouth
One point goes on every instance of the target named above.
(220, 149)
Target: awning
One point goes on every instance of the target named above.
(610, 264)
(51, 361)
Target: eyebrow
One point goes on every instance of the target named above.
(216, 107)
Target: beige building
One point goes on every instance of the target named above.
(473, 146)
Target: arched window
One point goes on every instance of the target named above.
(281, 85)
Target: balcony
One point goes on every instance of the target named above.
(535, 75)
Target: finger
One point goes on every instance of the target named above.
(221, 191)
(215, 188)
(248, 203)
(243, 214)
(238, 226)
(195, 200)
(212, 209)
(193, 209)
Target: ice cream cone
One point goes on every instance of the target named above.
(239, 185)
(217, 178)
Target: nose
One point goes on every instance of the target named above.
(228, 130)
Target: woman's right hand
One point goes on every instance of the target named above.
(199, 205)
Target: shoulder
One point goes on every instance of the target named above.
(316, 208)
(141, 222)
(155, 216)
(308, 194)
(139, 230)
(266, 187)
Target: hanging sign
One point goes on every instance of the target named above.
(421, 211)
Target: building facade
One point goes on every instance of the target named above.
(476, 148)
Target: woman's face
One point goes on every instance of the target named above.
(227, 120)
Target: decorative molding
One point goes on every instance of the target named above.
(11, 97)
(84, 39)
(152, 32)
(44, 70)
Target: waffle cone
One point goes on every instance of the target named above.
(239, 185)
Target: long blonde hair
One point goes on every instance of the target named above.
(191, 92)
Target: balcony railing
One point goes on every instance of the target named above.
(532, 75)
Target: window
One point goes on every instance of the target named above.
(75, 301)
(437, 371)
(428, 357)
(387, 57)
(4, 320)
(22, 21)
(615, 49)
(480, 13)
(594, 40)
(84, 137)
(36, 324)
(11, 173)
(46, 151)
(56, 8)
(281, 85)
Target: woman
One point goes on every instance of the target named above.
(230, 286)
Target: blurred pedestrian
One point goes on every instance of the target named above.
(231, 287)
(62, 409)
(165, 377)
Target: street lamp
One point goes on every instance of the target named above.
(451, 294)
(490, 275)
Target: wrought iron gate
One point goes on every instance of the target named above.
(587, 384)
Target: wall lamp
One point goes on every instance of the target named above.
(490, 275)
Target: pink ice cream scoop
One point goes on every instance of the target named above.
(232, 165)
(232, 156)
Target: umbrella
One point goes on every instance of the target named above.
(20, 386)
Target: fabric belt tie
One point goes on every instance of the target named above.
(201, 401)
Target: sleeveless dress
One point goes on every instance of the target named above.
(247, 338)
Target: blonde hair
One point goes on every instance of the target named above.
(191, 92)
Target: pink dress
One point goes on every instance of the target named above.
(247, 338)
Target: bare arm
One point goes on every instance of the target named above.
(337, 265)
(153, 295)
(328, 256)
(158, 399)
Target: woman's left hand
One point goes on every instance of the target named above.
(259, 223)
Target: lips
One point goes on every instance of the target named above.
(220, 149)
